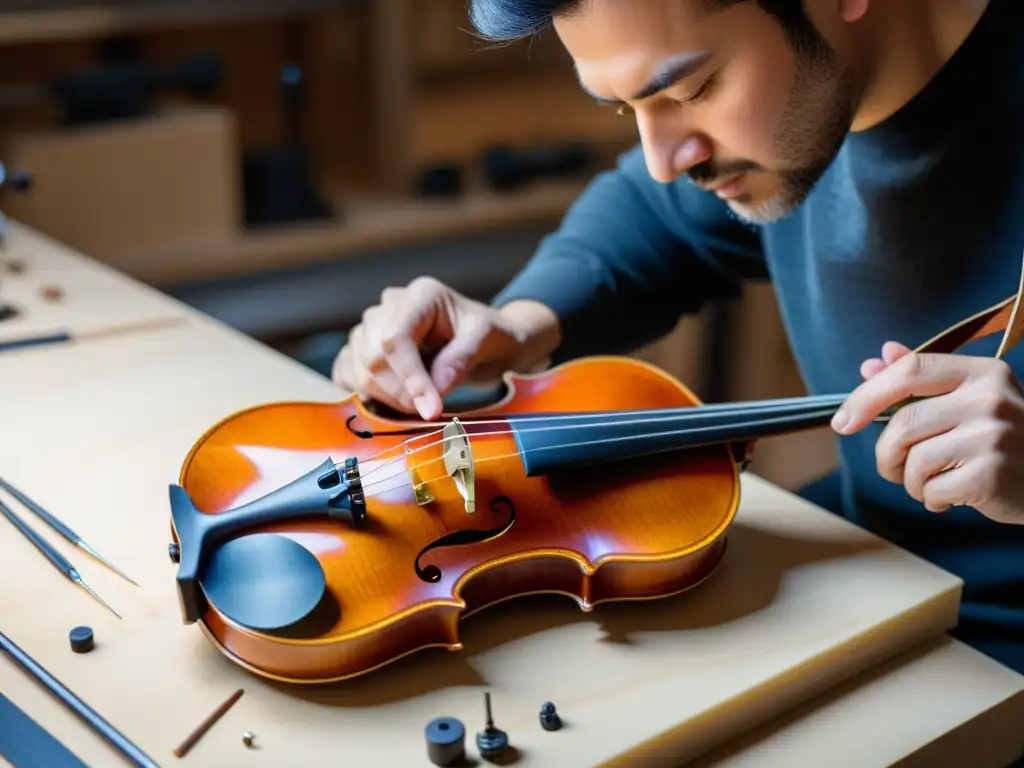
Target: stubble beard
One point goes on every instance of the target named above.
(811, 133)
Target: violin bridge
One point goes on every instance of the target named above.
(420, 489)
(458, 462)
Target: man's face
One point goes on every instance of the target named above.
(723, 97)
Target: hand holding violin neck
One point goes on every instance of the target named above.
(325, 491)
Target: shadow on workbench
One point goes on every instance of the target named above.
(746, 582)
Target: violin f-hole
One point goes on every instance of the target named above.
(365, 434)
(431, 573)
(369, 434)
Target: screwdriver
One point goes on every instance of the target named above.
(60, 528)
(56, 558)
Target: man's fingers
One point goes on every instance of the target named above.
(415, 320)
(911, 425)
(893, 351)
(352, 372)
(387, 388)
(403, 355)
(452, 363)
(913, 375)
(871, 367)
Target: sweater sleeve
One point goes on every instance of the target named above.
(631, 256)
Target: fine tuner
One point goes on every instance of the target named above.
(319, 541)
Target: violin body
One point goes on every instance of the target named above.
(418, 562)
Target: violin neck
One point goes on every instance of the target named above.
(552, 442)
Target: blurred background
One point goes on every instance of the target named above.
(277, 163)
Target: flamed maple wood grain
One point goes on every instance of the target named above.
(638, 529)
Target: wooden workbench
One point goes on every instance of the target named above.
(804, 604)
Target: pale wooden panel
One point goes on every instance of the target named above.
(90, 298)
(164, 181)
(802, 602)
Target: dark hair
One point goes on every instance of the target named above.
(507, 20)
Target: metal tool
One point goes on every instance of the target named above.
(58, 560)
(84, 712)
(75, 337)
(60, 528)
(24, 743)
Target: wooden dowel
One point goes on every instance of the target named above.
(190, 741)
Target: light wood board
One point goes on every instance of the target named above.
(96, 299)
(803, 601)
(939, 705)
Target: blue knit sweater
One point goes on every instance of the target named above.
(918, 223)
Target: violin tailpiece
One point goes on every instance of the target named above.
(322, 492)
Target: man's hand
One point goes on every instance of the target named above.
(961, 445)
(384, 357)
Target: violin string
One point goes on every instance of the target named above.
(519, 454)
(807, 400)
(406, 451)
(679, 416)
(371, 457)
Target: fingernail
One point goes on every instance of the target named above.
(840, 420)
(423, 404)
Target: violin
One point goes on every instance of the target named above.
(319, 541)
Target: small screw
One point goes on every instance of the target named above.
(247, 738)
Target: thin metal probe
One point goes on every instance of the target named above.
(84, 712)
(58, 560)
(61, 528)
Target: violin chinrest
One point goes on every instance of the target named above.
(264, 581)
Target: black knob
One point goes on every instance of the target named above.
(549, 719)
(174, 552)
(21, 181)
(81, 639)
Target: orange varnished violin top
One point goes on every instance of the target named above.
(316, 542)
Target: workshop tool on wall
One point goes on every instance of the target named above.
(278, 183)
(60, 527)
(117, 90)
(83, 711)
(24, 743)
(58, 560)
(507, 168)
(16, 181)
